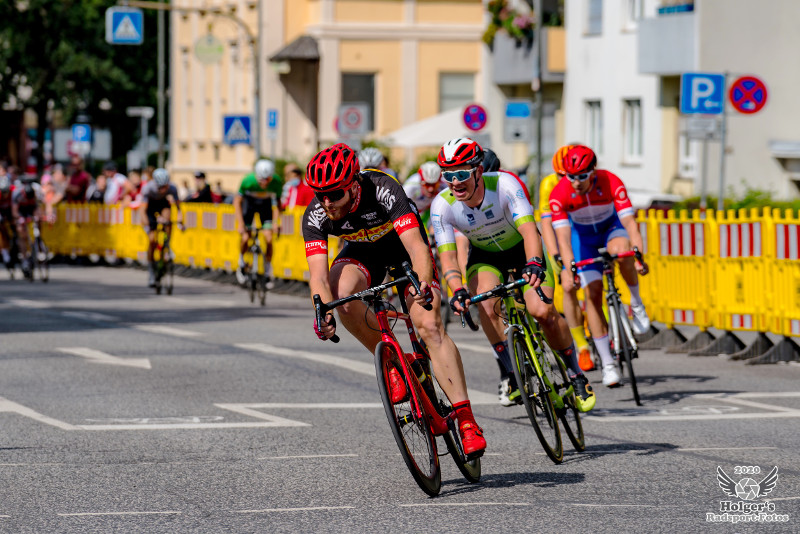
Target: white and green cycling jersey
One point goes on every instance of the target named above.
(492, 226)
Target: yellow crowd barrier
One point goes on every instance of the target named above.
(731, 271)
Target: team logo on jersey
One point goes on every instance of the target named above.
(385, 197)
(370, 216)
(347, 226)
(489, 214)
(316, 218)
(369, 234)
(471, 219)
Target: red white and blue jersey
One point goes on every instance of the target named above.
(606, 202)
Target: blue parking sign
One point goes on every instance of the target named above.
(702, 92)
(272, 118)
(81, 133)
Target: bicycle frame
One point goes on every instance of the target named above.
(614, 300)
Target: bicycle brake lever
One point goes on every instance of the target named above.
(412, 276)
(318, 311)
(542, 296)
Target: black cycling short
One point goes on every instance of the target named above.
(27, 210)
(502, 261)
(262, 206)
(154, 209)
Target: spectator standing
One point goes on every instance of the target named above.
(300, 194)
(202, 189)
(117, 184)
(78, 183)
(96, 193)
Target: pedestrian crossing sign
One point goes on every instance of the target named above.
(236, 129)
(124, 25)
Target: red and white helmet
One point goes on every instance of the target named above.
(430, 172)
(460, 151)
(579, 159)
(333, 168)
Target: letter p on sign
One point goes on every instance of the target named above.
(702, 93)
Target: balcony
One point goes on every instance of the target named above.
(667, 44)
(513, 62)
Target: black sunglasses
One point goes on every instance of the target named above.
(333, 196)
(579, 177)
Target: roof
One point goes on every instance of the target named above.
(304, 48)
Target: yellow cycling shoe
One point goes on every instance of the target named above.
(584, 394)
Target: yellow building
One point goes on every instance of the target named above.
(407, 59)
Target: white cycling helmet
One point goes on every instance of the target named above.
(161, 177)
(5, 183)
(264, 169)
(370, 158)
(430, 172)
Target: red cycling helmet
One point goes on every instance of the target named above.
(333, 168)
(580, 159)
(460, 151)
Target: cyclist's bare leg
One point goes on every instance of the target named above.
(445, 357)
(598, 325)
(22, 239)
(626, 265)
(267, 233)
(165, 219)
(572, 309)
(492, 324)
(346, 279)
(553, 325)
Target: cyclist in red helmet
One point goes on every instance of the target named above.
(492, 211)
(591, 210)
(370, 211)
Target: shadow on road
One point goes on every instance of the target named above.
(538, 479)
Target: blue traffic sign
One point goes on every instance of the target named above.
(518, 109)
(81, 133)
(272, 118)
(702, 92)
(236, 129)
(475, 117)
(124, 25)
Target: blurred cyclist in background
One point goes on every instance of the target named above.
(372, 158)
(7, 229)
(158, 197)
(25, 201)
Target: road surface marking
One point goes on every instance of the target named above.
(25, 303)
(304, 509)
(783, 499)
(351, 365)
(723, 448)
(476, 348)
(84, 514)
(167, 330)
(202, 303)
(307, 456)
(266, 421)
(641, 418)
(465, 504)
(622, 505)
(476, 397)
(91, 316)
(9, 406)
(96, 356)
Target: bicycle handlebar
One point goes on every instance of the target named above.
(503, 289)
(321, 308)
(605, 256)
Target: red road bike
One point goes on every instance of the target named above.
(426, 412)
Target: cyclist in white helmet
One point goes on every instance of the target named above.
(158, 197)
(372, 158)
(258, 193)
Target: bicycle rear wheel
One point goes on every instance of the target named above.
(169, 269)
(262, 289)
(628, 354)
(569, 415)
(535, 396)
(408, 422)
(471, 469)
(41, 255)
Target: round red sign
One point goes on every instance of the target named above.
(748, 94)
(475, 117)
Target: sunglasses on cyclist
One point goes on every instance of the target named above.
(457, 176)
(333, 196)
(579, 177)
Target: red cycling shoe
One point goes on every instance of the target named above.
(398, 392)
(472, 440)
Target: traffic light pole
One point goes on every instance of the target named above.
(723, 140)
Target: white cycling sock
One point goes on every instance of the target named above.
(603, 346)
(636, 299)
(6, 255)
(241, 261)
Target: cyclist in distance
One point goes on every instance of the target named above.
(591, 210)
(158, 197)
(381, 228)
(572, 310)
(492, 211)
(7, 230)
(25, 202)
(258, 193)
(372, 158)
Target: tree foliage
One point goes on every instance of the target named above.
(55, 51)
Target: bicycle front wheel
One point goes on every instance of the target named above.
(628, 353)
(569, 414)
(408, 422)
(42, 259)
(535, 396)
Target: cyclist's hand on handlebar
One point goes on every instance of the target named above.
(568, 281)
(641, 267)
(181, 227)
(460, 301)
(327, 330)
(535, 271)
(426, 295)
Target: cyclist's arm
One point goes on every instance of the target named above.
(318, 281)
(564, 236)
(237, 208)
(629, 223)
(420, 255)
(530, 236)
(549, 236)
(143, 212)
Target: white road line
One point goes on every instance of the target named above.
(168, 330)
(96, 356)
(304, 509)
(351, 365)
(5, 516)
(476, 397)
(307, 456)
(709, 417)
(622, 505)
(465, 504)
(85, 514)
(784, 499)
(767, 394)
(734, 399)
(475, 348)
(9, 406)
(204, 303)
(25, 303)
(723, 448)
(91, 316)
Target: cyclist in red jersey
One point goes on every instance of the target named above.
(591, 210)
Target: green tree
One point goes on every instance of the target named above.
(54, 53)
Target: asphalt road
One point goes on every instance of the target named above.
(125, 411)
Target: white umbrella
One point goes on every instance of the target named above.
(433, 131)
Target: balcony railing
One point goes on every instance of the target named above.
(513, 61)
